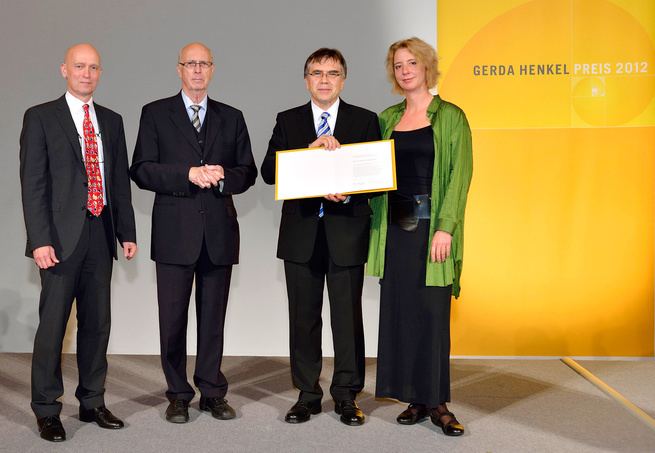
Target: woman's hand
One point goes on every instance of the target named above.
(440, 249)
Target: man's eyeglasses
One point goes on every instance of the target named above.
(204, 65)
(320, 74)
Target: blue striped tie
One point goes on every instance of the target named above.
(323, 129)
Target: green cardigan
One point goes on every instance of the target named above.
(453, 166)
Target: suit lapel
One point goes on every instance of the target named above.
(307, 122)
(341, 127)
(344, 123)
(214, 125)
(181, 120)
(105, 135)
(68, 126)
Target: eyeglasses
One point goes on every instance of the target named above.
(190, 65)
(320, 74)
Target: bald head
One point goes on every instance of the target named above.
(194, 47)
(83, 48)
(81, 69)
(195, 68)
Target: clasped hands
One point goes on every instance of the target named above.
(206, 176)
(329, 143)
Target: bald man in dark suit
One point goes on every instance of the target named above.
(76, 203)
(194, 153)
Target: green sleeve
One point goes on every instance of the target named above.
(454, 202)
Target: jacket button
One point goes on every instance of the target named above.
(202, 211)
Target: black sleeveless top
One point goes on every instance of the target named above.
(414, 160)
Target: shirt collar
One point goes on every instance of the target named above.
(333, 110)
(188, 102)
(75, 104)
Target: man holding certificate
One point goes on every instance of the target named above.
(323, 239)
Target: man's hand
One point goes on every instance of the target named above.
(326, 141)
(206, 176)
(440, 249)
(336, 197)
(44, 257)
(129, 250)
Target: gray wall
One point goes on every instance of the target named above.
(259, 50)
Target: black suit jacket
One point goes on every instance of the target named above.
(183, 214)
(54, 180)
(346, 224)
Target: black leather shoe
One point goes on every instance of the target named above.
(413, 414)
(450, 426)
(350, 413)
(51, 428)
(178, 411)
(301, 411)
(218, 407)
(102, 416)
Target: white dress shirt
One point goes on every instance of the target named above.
(203, 107)
(332, 119)
(76, 108)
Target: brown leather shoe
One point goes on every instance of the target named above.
(413, 414)
(447, 422)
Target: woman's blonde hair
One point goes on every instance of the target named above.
(424, 53)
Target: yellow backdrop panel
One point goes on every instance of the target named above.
(559, 253)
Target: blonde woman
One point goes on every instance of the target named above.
(416, 238)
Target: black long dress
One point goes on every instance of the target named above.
(414, 338)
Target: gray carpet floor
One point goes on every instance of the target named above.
(506, 406)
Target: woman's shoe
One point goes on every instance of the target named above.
(413, 414)
(451, 427)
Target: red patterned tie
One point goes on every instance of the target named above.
(94, 201)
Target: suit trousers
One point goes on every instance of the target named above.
(174, 284)
(84, 276)
(305, 282)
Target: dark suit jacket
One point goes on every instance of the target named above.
(346, 224)
(54, 180)
(183, 214)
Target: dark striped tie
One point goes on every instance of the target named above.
(196, 118)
